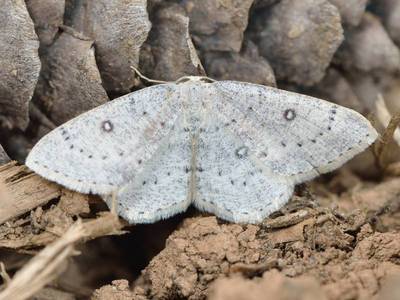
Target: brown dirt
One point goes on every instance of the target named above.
(304, 253)
(338, 237)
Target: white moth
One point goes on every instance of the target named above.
(230, 148)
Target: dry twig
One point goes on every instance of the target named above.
(26, 191)
(45, 266)
(381, 145)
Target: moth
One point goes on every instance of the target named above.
(230, 148)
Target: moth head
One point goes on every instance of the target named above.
(194, 79)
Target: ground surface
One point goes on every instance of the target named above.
(339, 236)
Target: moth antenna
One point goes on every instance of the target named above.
(147, 78)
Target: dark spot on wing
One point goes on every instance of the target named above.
(289, 114)
(242, 152)
(107, 126)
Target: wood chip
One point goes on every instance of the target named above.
(26, 191)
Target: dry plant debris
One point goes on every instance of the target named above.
(118, 28)
(48, 17)
(48, 263)
(247, 65)
(44, 267)
(389, 12)
(27, 191)
(19, 63)
(169, 53)
(69, 78)
(351, 11)
(288, 36)
(24, 192)
(357, 50)
(218, 25)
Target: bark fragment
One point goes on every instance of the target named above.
(19, 63)
(218, 25)
(169, 53)
(368, 48)
(118, 28)
(48, 17)
(351, 11)
(70, 82)
(247, 65)
(299, 38)
(389, 12)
